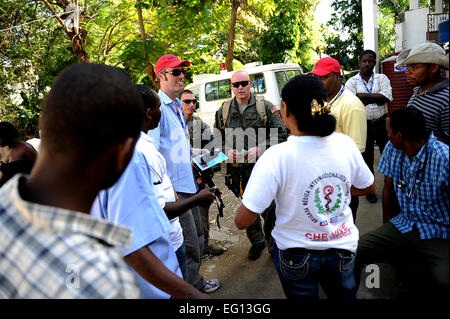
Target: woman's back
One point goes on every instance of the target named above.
(310, 178)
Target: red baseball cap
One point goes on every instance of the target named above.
(326, 65)
(169, 61)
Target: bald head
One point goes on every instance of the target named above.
(241, 85)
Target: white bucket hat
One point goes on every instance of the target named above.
(424, 53)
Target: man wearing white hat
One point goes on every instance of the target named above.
(430, 94)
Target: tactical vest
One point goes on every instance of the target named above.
(260, 108)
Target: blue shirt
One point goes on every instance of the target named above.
(132, 202)
(424, 201)
(171, 138)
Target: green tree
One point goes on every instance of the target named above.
(293, 32)
(346, 41)
(33, 50)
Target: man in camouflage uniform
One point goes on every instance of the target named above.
(251, 125)
(199, 135)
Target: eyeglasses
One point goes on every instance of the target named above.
(176, 72)
(241, 83)
(189, 101)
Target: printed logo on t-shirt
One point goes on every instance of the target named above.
(325, 197)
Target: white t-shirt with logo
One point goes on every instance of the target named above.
(310, 178)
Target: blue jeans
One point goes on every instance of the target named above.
(181, 256)
(301, 270)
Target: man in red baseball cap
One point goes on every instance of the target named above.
(325, 66)
(171, 138)
(349, 111)
(170, 61)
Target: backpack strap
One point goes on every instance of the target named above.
(225, 111)
(260, 108)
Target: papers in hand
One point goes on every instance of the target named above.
(208, 160)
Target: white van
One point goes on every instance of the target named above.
(211, 90)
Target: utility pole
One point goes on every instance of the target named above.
(370, 26)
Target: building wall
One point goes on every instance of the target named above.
(413, 30)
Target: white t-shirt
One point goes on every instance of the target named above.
(310, 178)
(35, 142)
(164, 191)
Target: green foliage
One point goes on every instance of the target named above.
(346, 44)
(386, 34)
(292, 33)
(34, 53)
(282, 37)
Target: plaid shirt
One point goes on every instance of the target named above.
(49, 252)
(427, 207)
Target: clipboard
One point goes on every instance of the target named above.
(206, 160)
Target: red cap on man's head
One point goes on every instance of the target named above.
(326, 65)
(169, 61)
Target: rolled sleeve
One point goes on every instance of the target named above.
(386, 88)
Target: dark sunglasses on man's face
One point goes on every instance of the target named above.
(189, 101)
(241, 83)
(176, 72)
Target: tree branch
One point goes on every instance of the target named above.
(49, 6)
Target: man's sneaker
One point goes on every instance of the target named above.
(214, 250)
(256, 250)
(211, 286)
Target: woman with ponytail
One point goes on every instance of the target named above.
(311, 177)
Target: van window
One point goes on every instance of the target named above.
(291, 73)
(281, 80)
(258, 84)
(196, 92)
(217, 90)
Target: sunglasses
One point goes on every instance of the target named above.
(241, 83)
(189, 101)
(176, 72)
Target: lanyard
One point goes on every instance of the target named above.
(337, 96)
(365, 85)
(416, 181)
(183, 123)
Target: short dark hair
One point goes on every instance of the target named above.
(185, 92)
(8, 133)
(89, 108)
(149, 96)
(410, 122)
(30, 129)
(298, 94)
(365, 52)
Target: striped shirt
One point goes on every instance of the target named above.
(49, 252)
(378, 83)
(433, 103)
(424, 201)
